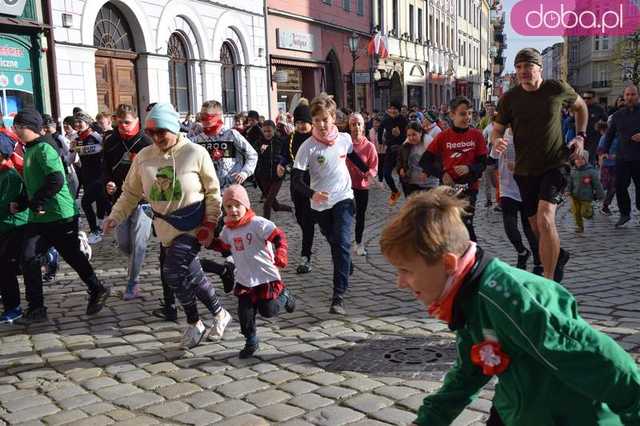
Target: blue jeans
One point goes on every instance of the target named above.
(133, 235)
(335, 224)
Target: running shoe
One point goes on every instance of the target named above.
(622, 221)
(393, 199)
(193, 335)
(337, 307)
(33, 316)
(85, 248)
(11, 315)
(563, 258)
(132, 292)
(290, 301)
(220, 322)
(250, 347)
(304, 266)
(94, 237)
(360, 250)
(97, 299)
(605, 211)
(522, 259)
(166, 312)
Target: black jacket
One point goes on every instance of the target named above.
(273, 155)
(118, 156)
(388, 125)
(624, 124)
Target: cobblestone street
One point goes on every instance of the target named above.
(371, 367)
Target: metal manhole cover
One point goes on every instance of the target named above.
(428, 357)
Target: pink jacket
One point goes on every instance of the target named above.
(367, 152)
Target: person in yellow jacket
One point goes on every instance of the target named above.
(553, 368)
(179, 181)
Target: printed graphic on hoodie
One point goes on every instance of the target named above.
(166, 186)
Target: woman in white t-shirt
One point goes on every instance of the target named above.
(324, 155)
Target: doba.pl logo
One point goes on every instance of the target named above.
(575, 17)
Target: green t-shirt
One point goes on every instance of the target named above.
(536, 120)
(10, 189)
(40, 160)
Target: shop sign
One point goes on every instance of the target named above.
(362, 78)
(12, 7)
(292, 40)
(15, 66)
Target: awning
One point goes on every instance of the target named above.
(297, 62)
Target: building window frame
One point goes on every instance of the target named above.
(179, 73)
(229, 72)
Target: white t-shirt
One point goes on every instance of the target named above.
(433, 131)
(328, 169)
(506, 164)
(252, 254)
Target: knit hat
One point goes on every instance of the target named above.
(253, 114)
(29, 118)
(269, 123)
(6, 145)
(83, 116)
(48, 121)
(163, 116)
(302, 113)
(237, 193)
(528, 54)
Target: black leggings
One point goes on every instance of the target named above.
(362, 200)
(304, 217)
(63, 235)
(94, 192)
(10, 244)
(510, 211)
(247, 311)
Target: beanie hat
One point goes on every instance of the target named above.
(83, 116)
(237, 193)
(6, 145)
(528, 54)
(269, 123)
(48, 121)
(302, 113)
(29, 118)
(253, 114)
(163, 116)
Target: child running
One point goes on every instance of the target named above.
(458, 156)
(272, 159)
(259, 248)
(511, 207)
(607, 166)
(553, 367)
(324, 154)
(584, 188)
(412, 177)
(360, 181)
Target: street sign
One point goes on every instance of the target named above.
(12, 7)
(362, 78)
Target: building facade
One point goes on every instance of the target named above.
(25, 58)
(178, 51)
(317, 46)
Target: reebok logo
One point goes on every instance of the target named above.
(459, 145)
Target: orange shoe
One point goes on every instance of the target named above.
(393, 199)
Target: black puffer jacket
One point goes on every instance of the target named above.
(273, 154)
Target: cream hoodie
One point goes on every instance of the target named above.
(169, 181)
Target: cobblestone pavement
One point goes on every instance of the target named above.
(124, 366)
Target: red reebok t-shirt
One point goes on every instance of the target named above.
(458, 149)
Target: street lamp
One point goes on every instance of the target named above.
(487, 82)
(354, 40)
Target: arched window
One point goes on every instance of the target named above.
(229, 72)
(111, 30)
(179, 73)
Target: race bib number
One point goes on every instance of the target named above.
(88, 149)
(220, 149)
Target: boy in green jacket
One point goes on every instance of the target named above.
(11, 232)
(584, 188)
(553, 368)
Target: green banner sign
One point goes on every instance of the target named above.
(15, 66)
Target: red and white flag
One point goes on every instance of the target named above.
(378, 45)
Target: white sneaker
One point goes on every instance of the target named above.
(220, 322)
(360, 250)
(85, 248)
(94, 237)
(193, 335)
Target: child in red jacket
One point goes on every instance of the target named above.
(258, 248)
(458, 156)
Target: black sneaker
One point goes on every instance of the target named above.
(248, 350)
(166, 312)
(563, 258)
(97, 299)
(497, 208)
(337, 307)
(290, 304)
(304, 267)
(522, 259)
(488, 204)
(33, 316)
(606, 211)
(538, 270)
(622, 221)
(228, 277)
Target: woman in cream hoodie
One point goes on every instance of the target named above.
(179, 181)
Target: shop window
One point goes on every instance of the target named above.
(229, 79)
(179, 74)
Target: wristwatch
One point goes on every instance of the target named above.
(583, 135)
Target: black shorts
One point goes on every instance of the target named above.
(547, 187)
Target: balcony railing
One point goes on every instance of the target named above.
(601, 84)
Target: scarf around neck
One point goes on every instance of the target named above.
(248, 216)
(442, 308)
(330, 139)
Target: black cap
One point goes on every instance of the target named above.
(528, 54)
(253, 114)
(29, 118)
(302, 113)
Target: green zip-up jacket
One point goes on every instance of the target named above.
(563, 372)
(10, 189)
(585, 185)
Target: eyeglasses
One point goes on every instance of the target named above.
(155, 132)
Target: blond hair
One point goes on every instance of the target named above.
(211, 106)
(428, 225)
(323, 103)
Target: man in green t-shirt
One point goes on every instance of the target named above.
(53, 219)
(534, 111)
